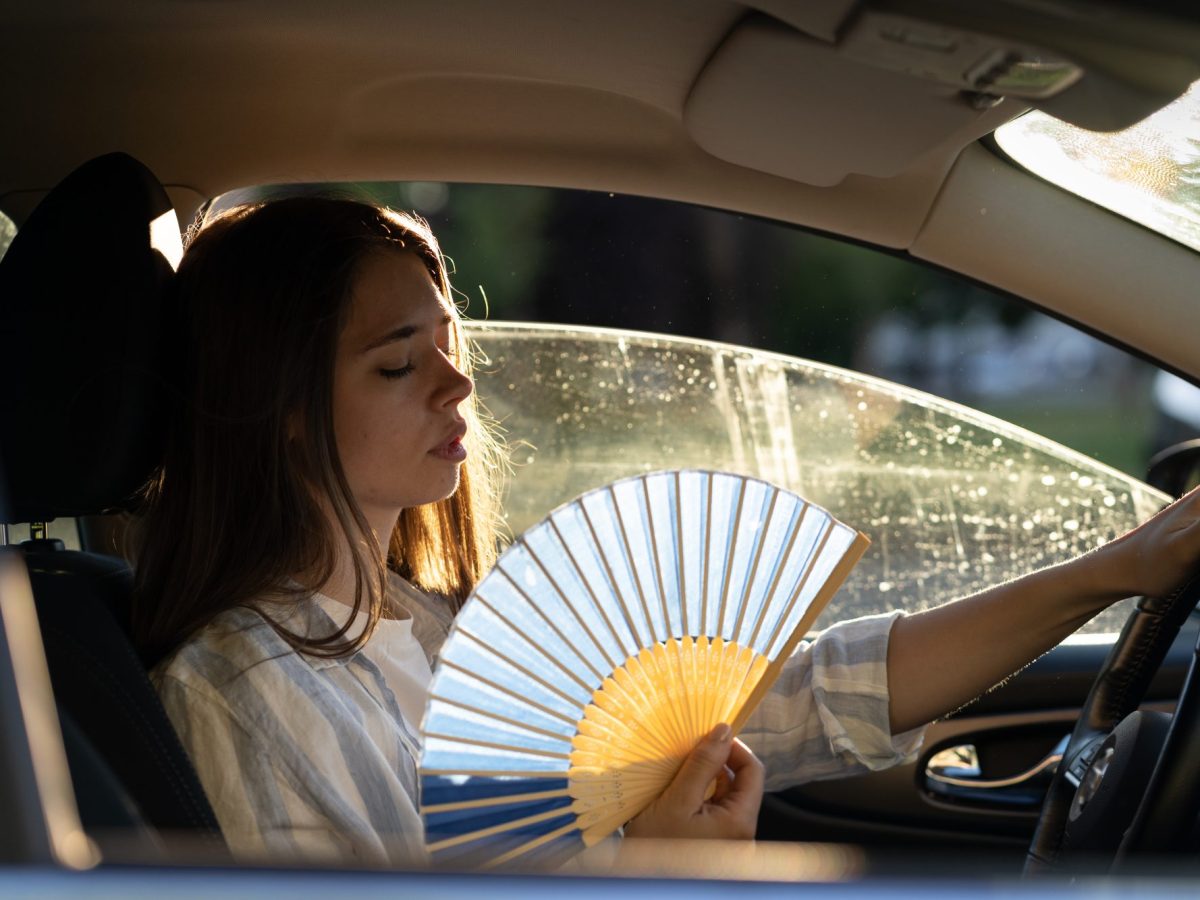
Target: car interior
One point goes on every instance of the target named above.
(866, 120)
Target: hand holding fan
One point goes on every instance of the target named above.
(606, 643)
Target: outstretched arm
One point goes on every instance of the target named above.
(941, 658)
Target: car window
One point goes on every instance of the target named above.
(953, 500)
(917, 467)
(65, 530)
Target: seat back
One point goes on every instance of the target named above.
(100, 683)
(85, 331)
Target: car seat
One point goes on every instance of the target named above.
(85, 334)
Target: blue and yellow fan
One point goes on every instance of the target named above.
(607, 641)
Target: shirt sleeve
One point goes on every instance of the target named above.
(828, 714)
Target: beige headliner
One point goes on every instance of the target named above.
(216, 94)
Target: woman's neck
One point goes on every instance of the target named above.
(340, 584)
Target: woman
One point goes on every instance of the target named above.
(328, 500)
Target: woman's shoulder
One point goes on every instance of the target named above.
(236, 686)
(241, 644)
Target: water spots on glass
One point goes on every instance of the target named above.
(953, 501)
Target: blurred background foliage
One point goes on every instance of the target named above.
(585, 258)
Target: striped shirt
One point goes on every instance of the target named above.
(315, 759)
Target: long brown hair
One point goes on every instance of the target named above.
(235, 513)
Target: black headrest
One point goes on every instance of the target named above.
(82, 328)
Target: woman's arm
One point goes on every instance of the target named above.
(941, 658)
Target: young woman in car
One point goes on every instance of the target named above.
(328, 499)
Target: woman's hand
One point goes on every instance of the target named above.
(1159, 555)
(685, 811)
(941, 658)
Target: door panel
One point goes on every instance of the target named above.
(1013, 728)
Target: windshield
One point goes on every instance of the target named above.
(1149, 173)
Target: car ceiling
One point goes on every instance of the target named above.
(754, 106)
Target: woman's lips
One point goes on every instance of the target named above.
(451, 451)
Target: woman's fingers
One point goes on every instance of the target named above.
(744, 796)
(690, 786)
(732, 810)
(1163, 552)
(720, 787)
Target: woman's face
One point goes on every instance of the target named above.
(396, 391)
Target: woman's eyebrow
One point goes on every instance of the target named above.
(402, 333)
(396, 334)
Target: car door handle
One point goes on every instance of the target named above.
(955, 774)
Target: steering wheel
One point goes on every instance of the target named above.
(1129, 781)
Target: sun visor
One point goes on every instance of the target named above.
(775, 100)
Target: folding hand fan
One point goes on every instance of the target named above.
(608, 640)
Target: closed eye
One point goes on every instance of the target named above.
(397, 373)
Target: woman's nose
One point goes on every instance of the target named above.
(457, 385)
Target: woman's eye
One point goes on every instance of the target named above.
(396, 373)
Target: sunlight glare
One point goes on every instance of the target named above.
(1149, 172)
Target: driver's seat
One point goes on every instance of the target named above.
(85, 332)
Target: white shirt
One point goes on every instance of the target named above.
(398, 654)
